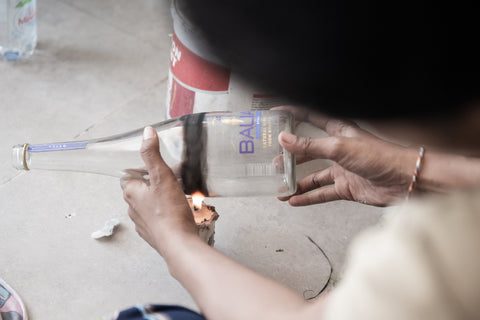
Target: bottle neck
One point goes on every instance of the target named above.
(79, 156)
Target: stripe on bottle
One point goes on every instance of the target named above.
(62, 146)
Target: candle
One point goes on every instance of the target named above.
(205, 217)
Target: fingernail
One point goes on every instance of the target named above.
(148, 133)
(288, 137)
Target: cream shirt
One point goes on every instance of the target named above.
(421, 262)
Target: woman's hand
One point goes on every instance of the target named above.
(366, 168)
(158, 206)
(221, 287)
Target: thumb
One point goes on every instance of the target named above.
(150, 152)
(307, 148)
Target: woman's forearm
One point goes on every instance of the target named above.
(441, 172)
(224, 289)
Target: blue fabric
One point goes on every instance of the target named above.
(171, 311)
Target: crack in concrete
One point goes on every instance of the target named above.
(120, 107)
(2, 184)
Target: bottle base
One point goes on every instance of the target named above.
(11, 56)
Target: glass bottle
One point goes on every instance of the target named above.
(218, 154)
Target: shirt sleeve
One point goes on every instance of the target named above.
(421, 262)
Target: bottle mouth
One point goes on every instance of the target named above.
(19, 153)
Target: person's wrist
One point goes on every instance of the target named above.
(407, 166)
(172, 239)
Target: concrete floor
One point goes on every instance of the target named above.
(100, 69)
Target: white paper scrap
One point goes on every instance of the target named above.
(107, 230)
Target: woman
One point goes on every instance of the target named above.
(422, 261)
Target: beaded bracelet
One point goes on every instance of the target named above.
(418, 164)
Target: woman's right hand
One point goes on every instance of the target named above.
(365, 168)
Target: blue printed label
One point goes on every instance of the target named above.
(62, 146)
(250, 129)
(259, 125)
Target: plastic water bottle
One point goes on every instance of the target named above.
(217, 154)
(18, 29)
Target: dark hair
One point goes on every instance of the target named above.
(365, 59)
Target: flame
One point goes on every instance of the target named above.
(197, 200)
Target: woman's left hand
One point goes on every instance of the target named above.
(164, 219)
